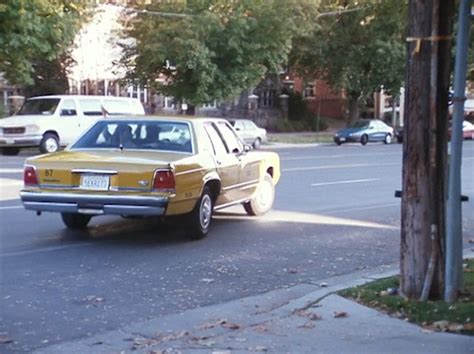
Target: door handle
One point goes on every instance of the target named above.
(218, 162)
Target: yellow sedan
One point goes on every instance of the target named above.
(152, 166)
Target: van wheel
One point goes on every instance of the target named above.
(10, 151)
(49, 143)
(75, 221)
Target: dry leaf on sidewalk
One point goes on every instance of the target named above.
(340, 314)
(228, 325)
(5, 340)
(307, 325)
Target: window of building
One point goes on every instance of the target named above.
(169, 103)
(308, 90)
(267, 98)
(210, 105)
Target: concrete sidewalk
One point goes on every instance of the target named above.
(300, 319)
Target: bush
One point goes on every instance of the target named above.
(301, 118)
(288, 126)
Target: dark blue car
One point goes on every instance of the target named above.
(364, 131)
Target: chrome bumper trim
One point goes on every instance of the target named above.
(94, 204)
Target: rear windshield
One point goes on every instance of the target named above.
(137, 135)
(41, 106)
(360, 124)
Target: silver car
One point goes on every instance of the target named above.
(249, 132)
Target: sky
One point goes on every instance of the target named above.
(95, 46)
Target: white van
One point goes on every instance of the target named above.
(57, 120)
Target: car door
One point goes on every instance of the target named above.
(227, 165)
(248, 163)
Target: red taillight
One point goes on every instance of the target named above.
(164, 180)
(29, 176)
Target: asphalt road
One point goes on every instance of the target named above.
(334, 213)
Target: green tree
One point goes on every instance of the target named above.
(34, 30)
(215, 48)
(356, 46)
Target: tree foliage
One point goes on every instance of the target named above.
(33, 30)
(358, 46)
(216, 48)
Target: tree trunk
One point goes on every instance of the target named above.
(424, 149)
(353, 103)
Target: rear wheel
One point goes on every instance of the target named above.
(364, 139)
(49, 143)
(200, 217)
(262, 200)
(10, 151)
(75, 221)
(388, 139)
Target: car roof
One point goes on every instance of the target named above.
(82, 96)
(164, 118)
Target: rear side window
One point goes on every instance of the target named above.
(68, 108)
(90, 107)
(230, 139)
(216, 140)
(117, 107)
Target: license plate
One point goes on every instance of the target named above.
(342, 139)
(9, 141)
(95, 182)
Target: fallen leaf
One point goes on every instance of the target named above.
(230, 325)
(258, 348)
(307, 325)
(260, 328)
(340, 314)
(5, 340)
(314, 317)
(207, 280)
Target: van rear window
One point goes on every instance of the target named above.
(91, 107)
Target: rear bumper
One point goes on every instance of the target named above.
(93, 204)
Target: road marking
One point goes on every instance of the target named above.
(11, 170)
(310, 157)
(296, 169)
(345, 182)
(44, 250)
(10, 188)
(12, 207)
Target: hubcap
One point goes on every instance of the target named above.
(205, 211)
(51, 145)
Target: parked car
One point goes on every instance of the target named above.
(467, 130)
(249, 132)
(53, 121)
(364, 131)
(125, 167)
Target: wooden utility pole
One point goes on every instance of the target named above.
(425, 148)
